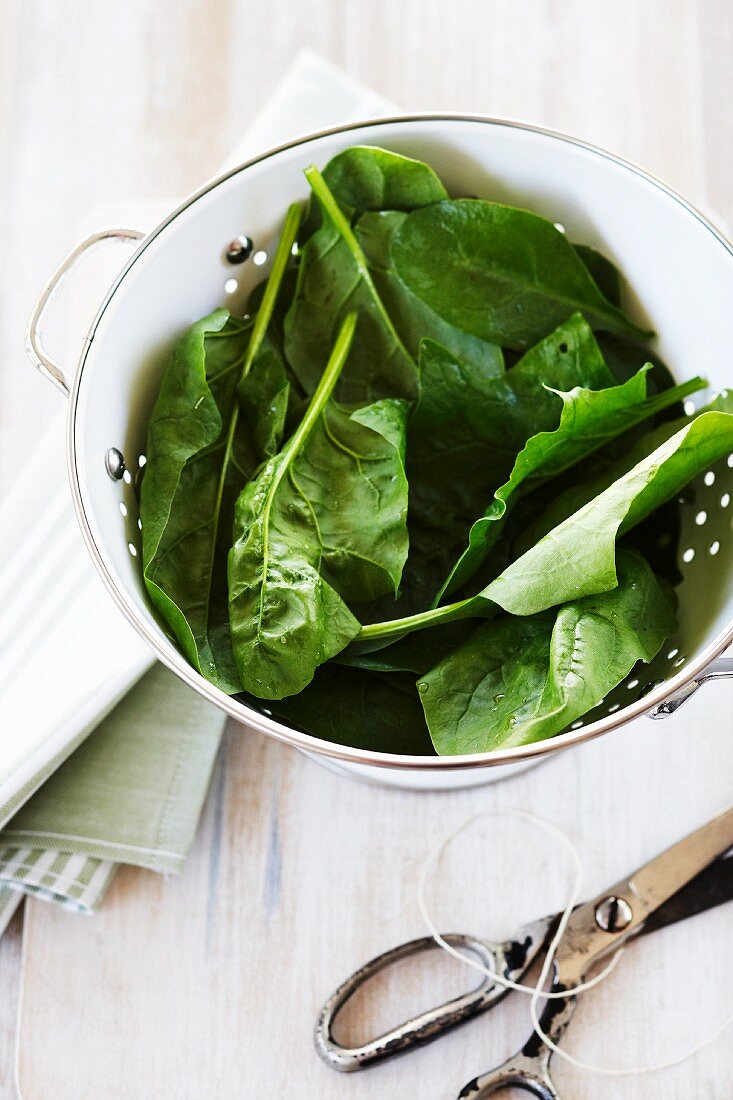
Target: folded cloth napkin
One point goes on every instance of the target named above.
(132, 791)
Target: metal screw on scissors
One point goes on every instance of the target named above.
(686, 879)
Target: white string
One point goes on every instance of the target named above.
(500, 979)
(537, 992)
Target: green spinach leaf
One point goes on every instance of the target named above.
(365, 177)
(264, 397)
(333, 280)
(605, 274)
(519, 680)
(589, 419)
(323, 520)
(578, 557)
(414, 319)
(367, 711)
(616, 466)
(351, 471)
(200, 452)
(499, 273)
(193, 473)
(415, 653)
(468, 426)
(464, 434)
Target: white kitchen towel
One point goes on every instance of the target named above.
(59, 627)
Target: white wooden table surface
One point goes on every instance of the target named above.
(207, 986)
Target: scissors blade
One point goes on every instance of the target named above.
(621, 912)
(712, 887)
(657, 881)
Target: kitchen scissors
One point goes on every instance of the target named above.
(687, 878)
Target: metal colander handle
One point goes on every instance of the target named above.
(37, 353)
(719, 669)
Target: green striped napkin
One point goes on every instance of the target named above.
(131, 793)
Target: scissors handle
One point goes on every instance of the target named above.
(530, 1068)
(511, 959)
(417, 1030)
(517, 1072)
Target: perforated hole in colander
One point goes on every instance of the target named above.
(704, 560)
(128, 507)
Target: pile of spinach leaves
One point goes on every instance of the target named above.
(404, 501)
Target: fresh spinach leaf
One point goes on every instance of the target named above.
(605, 274)
(415, 653)
(499, 273)
(349, 706)
(520, 680)
(475, 698)
(414, 319)
(333, 280)
(468, 427)
(324, 520)
(193, 473)
(285, 618)
(464, 434)
(589, 419)
(264, 396)
(351, 472)
(200, 452)
(578, 557)
(616, 466)
(365, 177)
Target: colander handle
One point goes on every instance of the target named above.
(37, 354)
(719, 669)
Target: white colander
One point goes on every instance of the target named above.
(680, 269)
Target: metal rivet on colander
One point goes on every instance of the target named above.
(114, 464)
(239, 250)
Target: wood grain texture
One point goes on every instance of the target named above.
(209, 985)
(10, 956)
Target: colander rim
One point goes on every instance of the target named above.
(247, 715)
